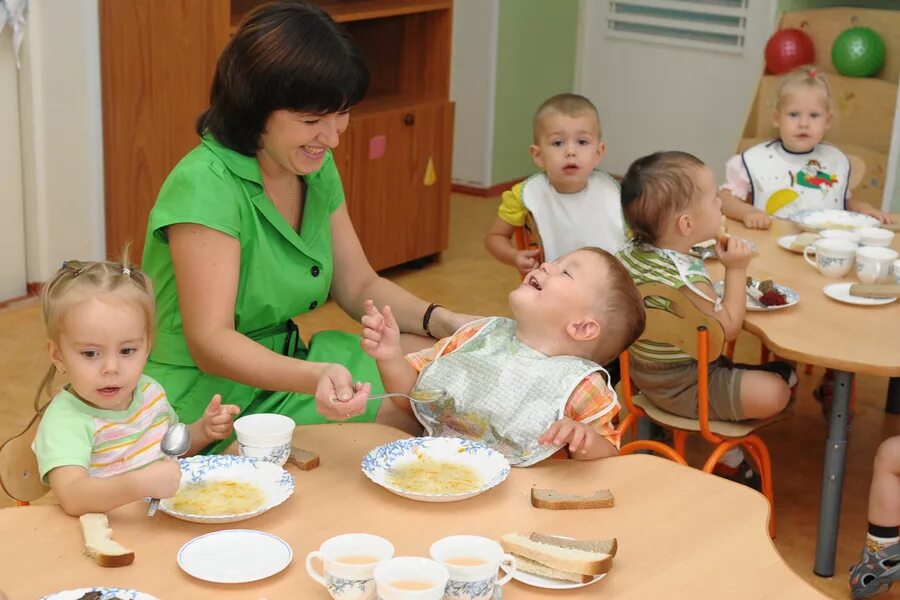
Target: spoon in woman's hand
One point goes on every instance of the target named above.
(420, 396)
(175, 442)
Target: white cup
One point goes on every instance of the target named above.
(841, 234)
(411, 578)
(875, 236)
(266, 436)
(897, 270)
(834, 258)
(472, 562)
(875, 264)
(349, 563)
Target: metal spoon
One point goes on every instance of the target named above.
(175, 442)
(420, 396)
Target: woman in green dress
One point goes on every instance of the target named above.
(250, 229)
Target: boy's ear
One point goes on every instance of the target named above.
(535, 152)
(684, 224)
(775, 118)
(828, 121)
(584, 330)
(601, 152)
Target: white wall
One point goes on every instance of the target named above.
(12, 218)
(62, 142)
(472, 87)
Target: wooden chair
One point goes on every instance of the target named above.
(19, 476)
(701, 336)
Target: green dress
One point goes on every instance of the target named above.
(282, 274)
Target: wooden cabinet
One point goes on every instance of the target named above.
(158, 57)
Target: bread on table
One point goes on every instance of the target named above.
(566, 560)
(526, 565)
(304, 459)
(553, 500)
(608, 546)
(98, 542)
(802, 240)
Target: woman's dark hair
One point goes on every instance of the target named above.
(285, 55)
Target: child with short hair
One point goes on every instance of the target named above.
(529, 386)
(670, 202)
(879, 564)
(797, 171)
(570, 202)
(98, 443)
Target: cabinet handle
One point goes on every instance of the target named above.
(409, 119)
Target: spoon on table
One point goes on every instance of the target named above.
(420, 396)
(175, 442)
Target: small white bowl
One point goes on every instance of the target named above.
(266, 436)
(875, 236)
(841, 234)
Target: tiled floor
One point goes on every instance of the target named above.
(468, 280)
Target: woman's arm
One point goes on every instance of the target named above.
(355, 282)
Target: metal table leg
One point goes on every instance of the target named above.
(892, 406)
(833, 476)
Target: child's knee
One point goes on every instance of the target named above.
(764, 394)
(887, 458)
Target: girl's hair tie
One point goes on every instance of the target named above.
(126, 271)
(812, 72)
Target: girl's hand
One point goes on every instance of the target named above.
(757, 219)
(735, 254)
(578, 436)
(337, 397)
(380, 334)
(161, 479)
(218, 419)
(527, 260)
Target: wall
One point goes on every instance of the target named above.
(474, 62)
(536, 53)
(12, 218)
(62, 144)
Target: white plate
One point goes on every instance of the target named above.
(491, 466)
(547, 582)
(753, 305)
(830, 218)
(106, 591)
(234, 556)
(276, 483)
(841, 293)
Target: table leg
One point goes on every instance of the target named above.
(833, 476)
(892, 406)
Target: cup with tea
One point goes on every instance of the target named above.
(875, 264)
(472, 562)
(897, 270)
(834, 258)
(349, 563)
(411, 578)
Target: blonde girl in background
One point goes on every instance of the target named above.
(797, 171)
(98, 444)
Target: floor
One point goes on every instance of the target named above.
(468, 280)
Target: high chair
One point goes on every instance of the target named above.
(19, 476)
(701, 336)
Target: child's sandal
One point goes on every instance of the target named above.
(875, 572)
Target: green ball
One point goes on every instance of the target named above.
(858, 52)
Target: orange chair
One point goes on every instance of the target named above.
(683, 325)
(526, 237)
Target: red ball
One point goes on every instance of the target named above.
(788, 49)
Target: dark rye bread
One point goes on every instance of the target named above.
(304, 459)
(553, 500)
(609, 546)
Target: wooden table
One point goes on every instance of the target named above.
(682, 533)
(821, 331)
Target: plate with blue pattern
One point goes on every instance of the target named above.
(276, 484)
(489, 466)
(815, 220)
(100, 593)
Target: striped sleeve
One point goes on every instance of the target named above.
(419, 360)
(592, 397)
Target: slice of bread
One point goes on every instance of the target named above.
(526, 565)
(553, 500)
(98, 542)
(569, 560)
(304, 459)
(609, 546)
(802, 240)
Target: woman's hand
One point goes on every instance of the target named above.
(337, 396)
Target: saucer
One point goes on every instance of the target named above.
(841, 293)
(234, 556)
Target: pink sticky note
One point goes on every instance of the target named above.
(377, 146)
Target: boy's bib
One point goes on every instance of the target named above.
(501, 392)
(785, 183)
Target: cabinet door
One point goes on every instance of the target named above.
(399, 181)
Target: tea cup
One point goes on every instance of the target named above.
(411, 578)
(841, 234)
(875, 264)
(349, 563)
(897, 270)
(266, 436)
(834, 258)
(472, 562)
(875, 236)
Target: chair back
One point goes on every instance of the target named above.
(19, 476)
(678, 322)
